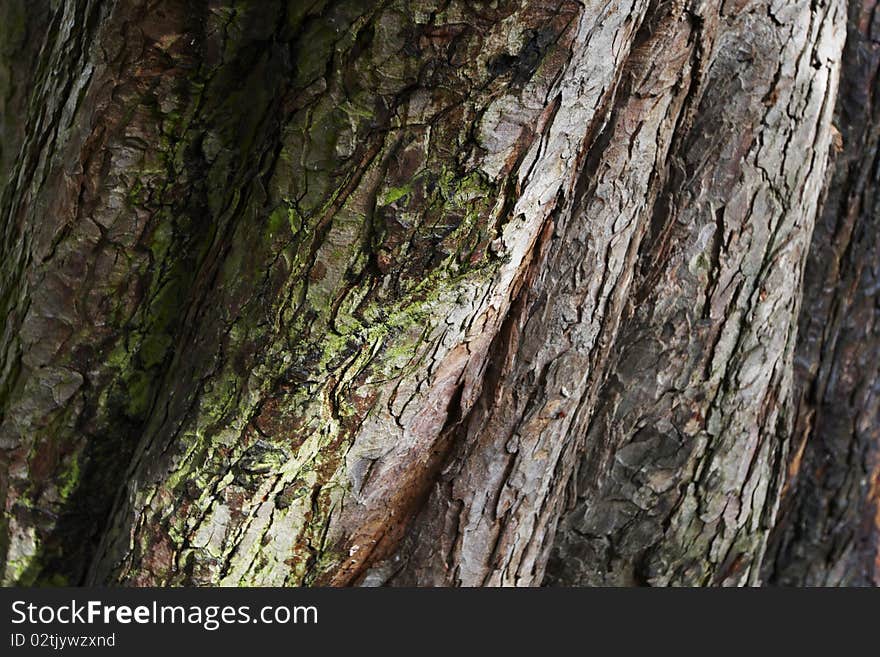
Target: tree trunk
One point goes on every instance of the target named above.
(440, 292)
(828, 533)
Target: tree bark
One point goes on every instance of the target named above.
(440, 292)
(828, 533)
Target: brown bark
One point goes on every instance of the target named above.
(676, 485)
(829, 529)
(23, 26)
(439, 292)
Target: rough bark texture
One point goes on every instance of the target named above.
(679, 481)
(23, 26)
(439, 292)
(829, 530)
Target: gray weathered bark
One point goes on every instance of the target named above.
(436, 292)
(829, 530)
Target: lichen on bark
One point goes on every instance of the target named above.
(410, 291)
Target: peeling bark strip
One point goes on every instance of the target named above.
(436, 292)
